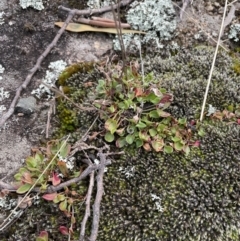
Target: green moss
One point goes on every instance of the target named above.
(84, 67)
(236, 66)
(185, 76)
(199, 193)
(72, 82)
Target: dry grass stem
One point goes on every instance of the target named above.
(213, 63)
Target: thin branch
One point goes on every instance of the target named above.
(213, 63)
(71, 13)
(87, 210)
(34, 69)
(97, 11)
(96, 206)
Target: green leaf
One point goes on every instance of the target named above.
(162, 113)
(152, 132)
(112, 109)
(24, 188)
(144, 136)
(39, 158)
(176, 139)
(63, 205)
(157, 144)
(168, 149)
(141, 125)
(130, 139)
(182, 121)
(178, 145)
(109, 137)
(65, 149)
(120, 142)
(31, 162)
(101, 82)
(153, 98)
(201, 132)
(186, 149)
(111, 125)
(122, 105)
(153, 114)
(139, 143)
(161, 127)
(18, 176)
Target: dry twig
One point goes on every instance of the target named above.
(71, 13)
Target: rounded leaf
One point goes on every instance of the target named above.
(111, 125)
(109, 137)
(24, 188)
(130, 139)
(168, 149)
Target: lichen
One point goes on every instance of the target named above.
(185, 76)
(36, 4)
(234, 32)
(155, 17)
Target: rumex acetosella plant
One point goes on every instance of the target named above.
(134, 113)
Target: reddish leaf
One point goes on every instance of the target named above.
(49, 196)
(138, 92)
(147, 147)
(238, 121)
(55, 179)
(26, 178)
(63, 230)
(43, 234)
(196, 144)
(63, 168)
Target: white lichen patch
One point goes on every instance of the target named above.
(36, 4)
(129, 171)
(1, 18)
(69, 162)
(3, 94)
(155, 17)
(234, 32)
(2, 108)
(51, 76)
(157, 200)
(1, 71)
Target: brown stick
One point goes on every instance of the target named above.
(72, 12)
(97, 202)
(35, 68)
(102, 23)
(87, 210)
(98, 11)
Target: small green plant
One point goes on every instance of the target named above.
(35, 165)
(57, 172)
(134, 112)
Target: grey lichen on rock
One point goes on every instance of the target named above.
(185, 76)
(156, 18)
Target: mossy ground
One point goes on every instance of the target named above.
(199, 193)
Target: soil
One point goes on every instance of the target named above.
(26, 33)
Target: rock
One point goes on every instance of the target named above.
(26, 105)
